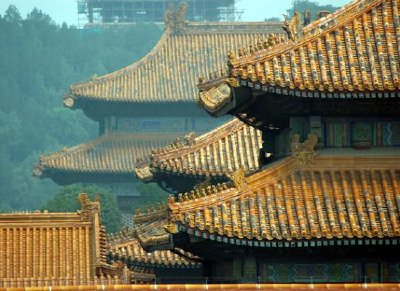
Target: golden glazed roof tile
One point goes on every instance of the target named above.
(246, 286)
(110, 153)
(221, 151)
(354, 51)
(336, 197)
(129, 248)
(169, 72)
(39, 246)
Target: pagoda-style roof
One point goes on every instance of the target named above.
(350, 54)
(216, 154)
(334, 198)
(42, 248)
(168, 73)
(150, 228)
(125, 246)
(114, 154)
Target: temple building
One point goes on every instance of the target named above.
(148, 104)
(111, 12)
(42, 249)
(213, 156)
(301, 187)
(324, 204)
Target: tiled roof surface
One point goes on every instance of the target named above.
(38, 246)
(128, 247)
(219, 152)
(337, 197)
(354, 50)
(149, 228)
(242, 287)
(169, 72)
(110, 153)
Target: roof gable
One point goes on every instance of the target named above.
(169, 72)
(350, 53)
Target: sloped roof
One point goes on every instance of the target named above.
(245, 286)
(37, 246)
(221, 151)
(347, 54)
(169, 72)
(125, 245)
(336, 197)
(114, 153)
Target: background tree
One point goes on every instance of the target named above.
(38, 61)
(66, 200)
(312, 6)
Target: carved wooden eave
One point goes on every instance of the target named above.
(343, 60)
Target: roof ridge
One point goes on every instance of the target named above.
(199, 140)
(112, 136)
(281, 48)
(225, 192)
(164, 37)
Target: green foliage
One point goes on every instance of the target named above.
(313, 6)
(66, 200)
(272, 19)
(151, 194)
(38, 61)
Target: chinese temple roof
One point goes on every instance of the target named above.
(219, 152)
(113, 153)
(247, 287)
(150, 228)
(39, 246)
(332, 197)
(169, 72)
(351, 53)
(126, 246)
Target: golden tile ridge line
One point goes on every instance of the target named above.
(328, 50)
(229, 128)
(226, 192)
(290, 45)
(165, 76)
(127, 69)
(152, 213)
(281, 168)
(132, 250)
(248, 287)
(110, 143)
(219, 152)
(192, 216)
(31, 247)
(168, 33)
(109, 137)
(308, 77)
(351, 221)
(331, 16)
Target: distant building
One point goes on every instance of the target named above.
(324, 205)
(100, 12)
(148, 104)
(42, 249)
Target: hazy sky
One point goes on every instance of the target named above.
(66, 10)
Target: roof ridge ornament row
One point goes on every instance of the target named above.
(175, 19)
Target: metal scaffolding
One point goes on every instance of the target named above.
(134, 11)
